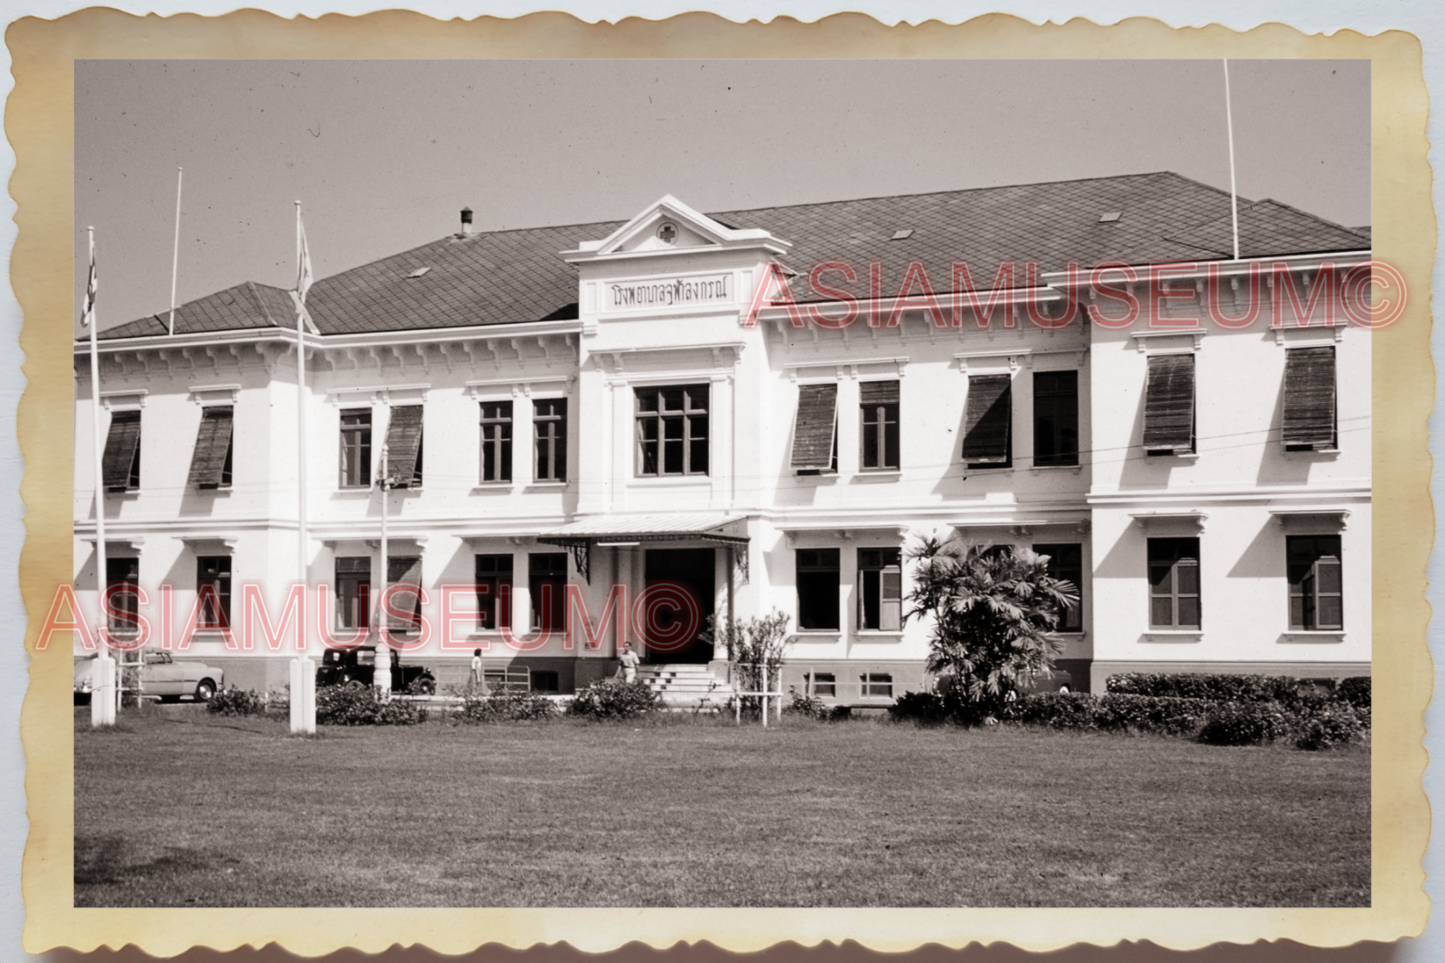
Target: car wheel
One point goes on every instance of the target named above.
(347, 682)
(1064, 690)
(204, 690)
(427, 686)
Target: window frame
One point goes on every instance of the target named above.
(868, 682)
(498, 432)
(885, 419)
(816, 574)
(553, 573)
(1164, 553)
(1071, 621)
(1050, 403)
(555, 441)
(685, 417)
(123, 570)
(494, 602)
(217, 618)
(355, 474)
(132, 483)
(349, 570)
(879, 569)
(1310, 598)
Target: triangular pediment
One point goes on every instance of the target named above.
(668, 225)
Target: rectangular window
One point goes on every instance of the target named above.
(879, 404)
(120, 463)
(549, 431)
(403, 447)
(404, 602)
(880, 589)
(547, 578)
(823, 684)
(353, 593)
(494, 591)
(211, 459)
(1066, 562)
(1174, 583)
(815, 435)
(818, 570)
(545, 680)
(1315, 582)
(356, 448)
(1169, 405)
(988, 421)
(1309, 399)
(1056, 418)
(213, 589)
(496, 441)
(512, 678)
(877, 685)
(672, 430)
(122, 588)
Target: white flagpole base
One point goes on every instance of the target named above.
(102, 693)
(303, 695)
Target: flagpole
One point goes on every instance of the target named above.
(102, 696)
(175, 254)
(303, 675)
(1233, 193)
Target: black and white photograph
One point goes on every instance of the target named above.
(700, 483)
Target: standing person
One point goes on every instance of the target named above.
(629, 663)
(381, 677)
(475, 682)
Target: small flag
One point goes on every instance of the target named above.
(303, 267)
(87, 310)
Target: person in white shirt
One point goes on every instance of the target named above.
(630, 662)
(475, 681)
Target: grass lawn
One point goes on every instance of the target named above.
(179, 808)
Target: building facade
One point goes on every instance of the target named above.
(687, 415)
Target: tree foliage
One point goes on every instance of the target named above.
(994, 611)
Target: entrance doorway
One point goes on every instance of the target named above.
(691, 574)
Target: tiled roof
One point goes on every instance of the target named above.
(507, 277)
(247, 305)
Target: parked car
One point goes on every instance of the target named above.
(358, 666)
(160, 675)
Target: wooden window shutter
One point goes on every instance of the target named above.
(813, 430)
(121, 443)
(403, 441)
(989, 419)
(1169, 403)
(1309, 397)
(878, 392)
(212, 443)
(404, 571)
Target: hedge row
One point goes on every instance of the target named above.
(1286, 690)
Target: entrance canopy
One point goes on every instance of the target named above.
(580, 536)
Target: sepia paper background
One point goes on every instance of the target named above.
(39, 122)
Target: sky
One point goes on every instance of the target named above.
(384, 154)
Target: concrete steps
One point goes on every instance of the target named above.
(686, 686)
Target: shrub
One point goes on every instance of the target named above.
(1164, 715)
(338, 705)
(1334, 726)
(1355, 690)
(810, 707)
(615, 699)
(1245, 724)
(232, 701)
(1218, 687)
(507, 706)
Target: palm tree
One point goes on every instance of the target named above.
(994, 611)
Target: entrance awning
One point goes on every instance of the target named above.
(580, 536)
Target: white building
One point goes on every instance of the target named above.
(590, 404)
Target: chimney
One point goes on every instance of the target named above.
(466, 221)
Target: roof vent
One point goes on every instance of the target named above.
(419, 272)
(466, 220)
(902, 235)
(1110, 217)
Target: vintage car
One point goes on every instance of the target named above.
(358, 666)
(161, 676)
